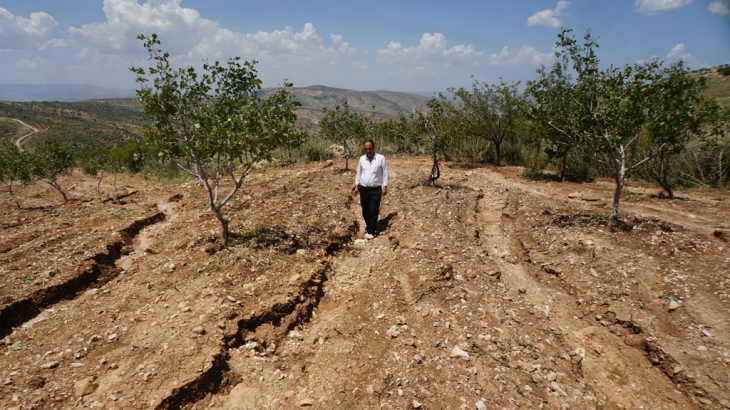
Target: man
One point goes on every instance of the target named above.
(371, 182)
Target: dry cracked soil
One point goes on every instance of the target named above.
(487, 291)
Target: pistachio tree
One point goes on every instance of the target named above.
(50, 161)
(344, 126)
(15, 166)
(607, 112)
(490, 112)
(215, 120)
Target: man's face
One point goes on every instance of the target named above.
(369, 149)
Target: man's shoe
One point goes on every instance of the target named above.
(369, 236)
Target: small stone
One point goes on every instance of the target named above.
(417, 404)
(706, 333)
(702, 348)
(301, 252)
(480, 405)
(112, 337)
(305, 403)
(199, 330)
(171, 267)
(536, 378)
(457, 352)
(673, 305)
(50, 365)
(294, 279)
(370, 389)
(678, 369)
(393, 332)
(84, 387)
(221, 325)
(231, 299)
(296, 335)
(77, 365)
(8, 382)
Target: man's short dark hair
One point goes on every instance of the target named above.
(370, 141)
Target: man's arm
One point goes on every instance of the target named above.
(356, 190)
(386, 177)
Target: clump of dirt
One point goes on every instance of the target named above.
(484, 290)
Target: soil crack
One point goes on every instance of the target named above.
(96, 270)
(278, 319)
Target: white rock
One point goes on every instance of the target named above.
(673, 305)
(393, 332)
(295, 335)
(480, 405)
(457, 352)
(417, 404)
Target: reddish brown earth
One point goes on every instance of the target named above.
(487, 288)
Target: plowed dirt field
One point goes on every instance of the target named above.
(485, 291)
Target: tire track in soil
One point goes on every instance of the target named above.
(277, 320)
(95, 271)
(608, 350)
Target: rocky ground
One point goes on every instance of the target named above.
(487, 291)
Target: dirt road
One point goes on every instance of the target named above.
(487, 291)
(19, 141)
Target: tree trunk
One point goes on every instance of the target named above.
(498, 149)
(10, 191)
(98, 185)
(563, 167)
(620, 177)
(55, 185)
(224, 225)
(435, 171)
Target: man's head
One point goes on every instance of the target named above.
(369, 147)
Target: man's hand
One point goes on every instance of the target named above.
(385, 190)
(355, 191)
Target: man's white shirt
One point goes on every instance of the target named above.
(372, 173)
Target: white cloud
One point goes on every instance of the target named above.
(431, 48)
(548, 18)
(53, 44)
(189, 38)
(525, 55)
(650, 7)
(678, 52)
(17, 32)
(34, 64)
(719, 7)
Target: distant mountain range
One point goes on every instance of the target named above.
(60, 92)
(381, 104)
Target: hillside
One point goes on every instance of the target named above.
(717, 86)
(107, 120)
(486, 291)
(381, 104)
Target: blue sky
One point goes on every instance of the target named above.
(402, 45)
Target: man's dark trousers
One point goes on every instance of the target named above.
(370, 201)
